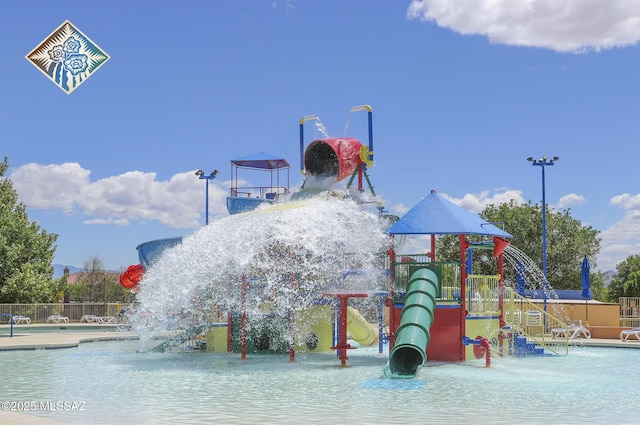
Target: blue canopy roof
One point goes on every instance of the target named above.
(435, 215)
(261, 160)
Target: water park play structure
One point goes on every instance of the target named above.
(293, 300)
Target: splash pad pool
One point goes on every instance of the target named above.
(120, 385)
(272, 278)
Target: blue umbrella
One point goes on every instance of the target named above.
(586, 286)
(520, 279)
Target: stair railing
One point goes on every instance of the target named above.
(526, 319)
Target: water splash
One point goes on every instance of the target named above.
(286, 255)
(322, 129)
(535, 278)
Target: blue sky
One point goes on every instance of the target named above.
(462, 93)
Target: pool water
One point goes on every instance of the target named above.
(118, 385)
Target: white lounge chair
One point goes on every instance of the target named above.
(628, 333)
(91, 318)
(88, 318)
(21, 319)
(574, 330)
(57, 318)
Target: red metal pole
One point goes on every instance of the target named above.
(243, 320)
(292, 349)
(432, 254)
(229, 331)
(464, 244)
(501, 302)
(230, 320)
(392, 321)
(342, 343)
(487, 351)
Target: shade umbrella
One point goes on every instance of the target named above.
(586, 286)
(521, 279)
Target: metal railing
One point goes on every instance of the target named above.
(448, 275)
(265, 192)
(530, 321)
(483, 294)
(630, 311)
(39, 313)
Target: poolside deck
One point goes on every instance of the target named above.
(23, 339)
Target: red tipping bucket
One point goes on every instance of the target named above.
(337, 158)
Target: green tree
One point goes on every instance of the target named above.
(97, 285)
(568, 242)
(626, 282)
(26, 252)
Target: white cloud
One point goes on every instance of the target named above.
(560, 25)
(50, 186)
(476, 202)
(626, 201)
(399, 209)
(119, 222)
(569, 200)
(621, 239)
(118, 200)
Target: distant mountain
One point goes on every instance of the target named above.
(607, 277)
(58, 270)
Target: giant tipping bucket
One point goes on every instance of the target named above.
(334, 158)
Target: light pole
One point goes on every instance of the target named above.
(543, 162)
(211, 176)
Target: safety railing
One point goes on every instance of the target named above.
(448, 274)
(630, 311)
(39, 313)
(483, 294)
(530, 321)
(265, 192)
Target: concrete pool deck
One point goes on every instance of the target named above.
(59, 336)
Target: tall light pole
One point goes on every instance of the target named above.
(211, 176)
(543, 162)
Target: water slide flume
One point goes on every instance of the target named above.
(412, 336)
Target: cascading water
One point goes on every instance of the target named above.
(289, 253)
(535, 278)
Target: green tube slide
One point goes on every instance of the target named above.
(412, 336)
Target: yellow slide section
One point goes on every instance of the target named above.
(360, 330)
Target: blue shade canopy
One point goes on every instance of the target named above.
(435, 215)
(261, 160)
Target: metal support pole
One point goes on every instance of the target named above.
(211, 176)
(543, 162)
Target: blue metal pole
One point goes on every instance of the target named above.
(544, 240)
(302, 121)
(211, 176)
(542, 163)
(370, 128)
(206, 209)
(370, 123)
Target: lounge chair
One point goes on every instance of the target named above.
(88, 318)
(628, 333)
(574, 330)
(21, 319)
(92, 318)
(57, 318)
